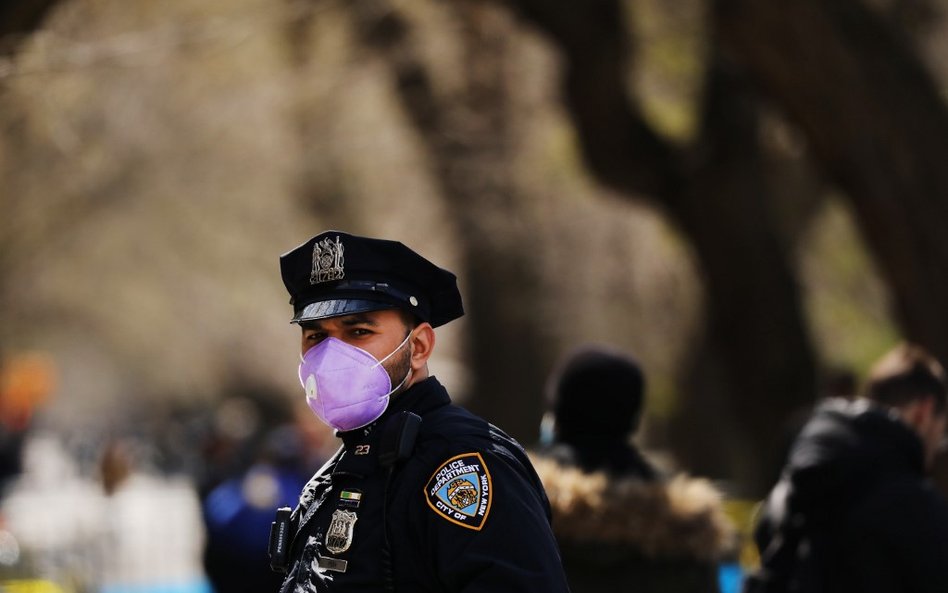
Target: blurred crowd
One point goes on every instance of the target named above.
(165, 501)
(182, 500)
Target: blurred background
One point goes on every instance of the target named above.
(748, 197)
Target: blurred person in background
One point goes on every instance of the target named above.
(40, 549)
(423, 495)
(117, 527)
(152, 531)
(621, 524)
(26, 382)
(853, 510)
(53, 542)
(263, 463)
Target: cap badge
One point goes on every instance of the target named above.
(328, 263)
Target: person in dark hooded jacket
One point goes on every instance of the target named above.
(853, 510)
(621, 524)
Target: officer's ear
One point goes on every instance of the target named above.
(422, 344)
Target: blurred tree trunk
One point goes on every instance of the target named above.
(466, 135)
(20, 18)
(876, 123)
(316, 180)
(754, 316)
(17, 21)
(755, 365)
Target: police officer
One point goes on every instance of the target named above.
(422, 495)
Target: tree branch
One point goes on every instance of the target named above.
(20, 18)
(877, 125)
(618, 144)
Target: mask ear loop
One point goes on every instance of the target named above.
(397, 348)
(408, 374)
(405, 380)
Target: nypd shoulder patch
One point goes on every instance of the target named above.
(460, 491)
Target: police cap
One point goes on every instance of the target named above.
(336, 273)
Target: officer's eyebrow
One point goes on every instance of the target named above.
(358, 319)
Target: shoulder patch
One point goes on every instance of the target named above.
(460, 491)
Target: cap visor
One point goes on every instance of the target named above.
(336, 308)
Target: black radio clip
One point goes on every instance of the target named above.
(281, 536)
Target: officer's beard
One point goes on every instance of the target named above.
(398, 368)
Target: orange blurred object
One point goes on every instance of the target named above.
(26, 383)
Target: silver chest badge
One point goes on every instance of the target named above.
(328, 263)
(339, 536)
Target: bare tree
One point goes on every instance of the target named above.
(466, 136)
(756, 365)
(876, 123)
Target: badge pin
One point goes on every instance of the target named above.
(339, 536)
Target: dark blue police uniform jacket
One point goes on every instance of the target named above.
(463, 511)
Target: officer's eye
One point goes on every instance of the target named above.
(314, 336)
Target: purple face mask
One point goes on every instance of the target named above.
(346, 387)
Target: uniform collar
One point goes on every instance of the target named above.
(420, 398)
(360, 446)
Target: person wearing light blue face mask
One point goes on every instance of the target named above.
(422, 495)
